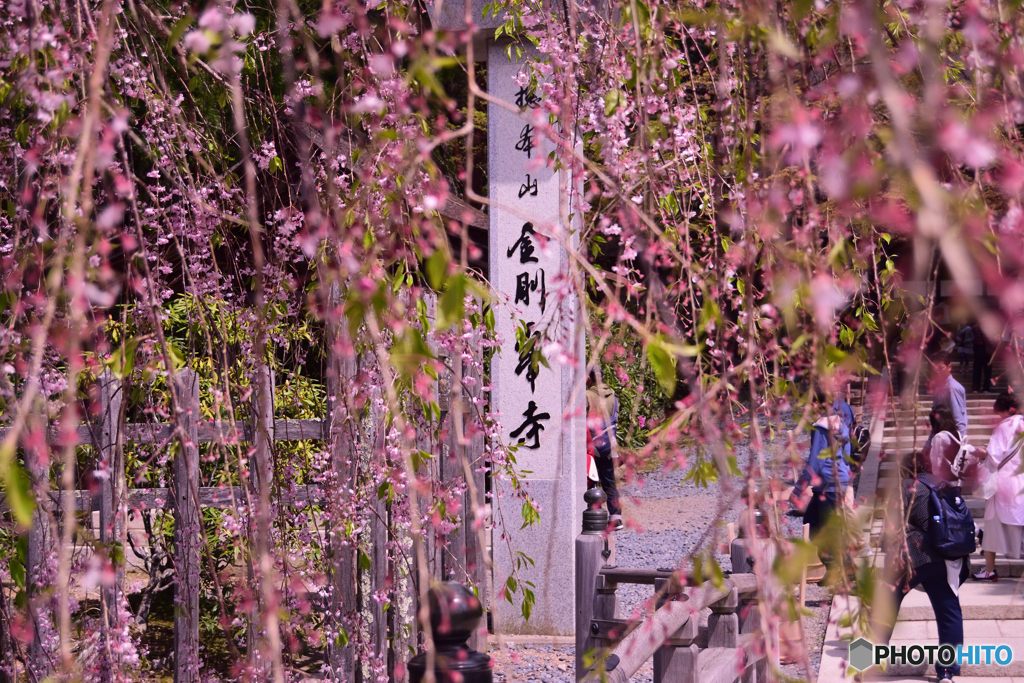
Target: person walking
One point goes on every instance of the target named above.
(923, 565)
(1003, 488)
(965, 345)
(602, 418)
(981, 378)
(948, 457)
(826, 474)
(947, 392)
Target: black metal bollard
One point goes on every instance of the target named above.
(595, 518)
(455, 614)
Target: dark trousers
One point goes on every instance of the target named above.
(982, 377)
(606, 472)
(821, 507)
(945, 604)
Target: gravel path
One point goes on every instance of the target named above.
(667, 518)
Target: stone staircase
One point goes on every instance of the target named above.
(993, 612)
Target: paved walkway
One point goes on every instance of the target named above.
(993, 612)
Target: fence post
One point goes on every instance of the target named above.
(676, 660)
(463, 558)
(187, 530)
(589, 545)
(341, 379)
(260, 480)
(454, 562)
(40, 543)
(112, 496)
(723, 623)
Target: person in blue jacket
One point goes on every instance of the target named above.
(827, 472)
(841, 408)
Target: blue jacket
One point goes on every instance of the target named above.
(820, 469)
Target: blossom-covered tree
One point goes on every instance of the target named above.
(239, 188)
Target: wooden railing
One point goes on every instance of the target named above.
(683, 651)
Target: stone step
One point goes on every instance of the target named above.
(979, 600)
(872, 675)
(909, 418)
(975, 432)
(833, 668)
(973, 400)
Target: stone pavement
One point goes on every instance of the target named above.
(993, 612)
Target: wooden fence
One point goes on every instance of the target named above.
(683, 650)
(352, 585)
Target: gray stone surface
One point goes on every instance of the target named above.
(450, 15)
(527, 270)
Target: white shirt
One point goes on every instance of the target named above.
(1008, 501)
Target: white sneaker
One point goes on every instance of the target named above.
(616, 522)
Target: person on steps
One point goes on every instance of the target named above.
(826, 474)
(947, 392)
(944, 448)
(922, 565)
(981, 379)
(1003, 488)
(602, 417)
(965, 345)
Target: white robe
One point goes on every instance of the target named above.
(1008, 502)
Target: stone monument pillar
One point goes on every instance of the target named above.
(541, 408)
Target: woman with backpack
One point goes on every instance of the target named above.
(939, 541)
(1004, 500)
(949, 458)
(822, 485)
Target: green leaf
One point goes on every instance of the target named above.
(846, 336)
(19, 561)
(717, 576)
(437, 268)
(178, 30)
(530, 514)
(789, 567)
(122, 360)
(664, 366)
(176, 356)
(410, 352)
(451, 307)
(834, 355)
(835, 257)
(19, 494)
(710, 311)
(801, 8)
(364, 560)
(275, 165)
(611, 101)
(528, 600)
(21, 133)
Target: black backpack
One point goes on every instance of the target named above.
(951, 527)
